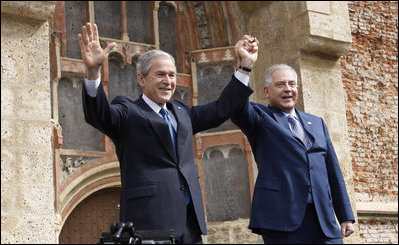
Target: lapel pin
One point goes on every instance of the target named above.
(310, 123)
(179, 107)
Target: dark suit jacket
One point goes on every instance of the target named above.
(287, 170)
(152, 174)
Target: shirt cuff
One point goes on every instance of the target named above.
(91, 86)
(242, 77)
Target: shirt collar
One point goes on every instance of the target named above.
(292, 113)
(154, 106)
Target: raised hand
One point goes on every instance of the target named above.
(247, 51)
(92, 54)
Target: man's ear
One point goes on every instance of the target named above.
(266, 92)
(140, 79)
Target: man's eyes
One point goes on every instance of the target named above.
(164, 74)
(291, 84)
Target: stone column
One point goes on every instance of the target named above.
(27, 189)
(311, 37)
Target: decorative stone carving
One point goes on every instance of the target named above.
(182, 94)
(70, 164)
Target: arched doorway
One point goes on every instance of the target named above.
(90, 217)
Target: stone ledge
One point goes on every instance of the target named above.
(323, 47)
(390, 208)
(33, 10)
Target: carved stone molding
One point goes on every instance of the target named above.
(30, 10)
(224, 149)
(213, 55)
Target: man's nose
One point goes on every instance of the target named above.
(287, 87)
(168, 79)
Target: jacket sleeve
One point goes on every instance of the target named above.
(106, 117)
(339, 194)
(247, 118)
(213, 114)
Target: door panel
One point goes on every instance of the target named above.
(90, 217)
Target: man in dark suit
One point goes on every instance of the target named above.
(300, 187)
(153, 136)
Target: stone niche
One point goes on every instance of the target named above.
(212, 79)
(226, 183)
(77, 134)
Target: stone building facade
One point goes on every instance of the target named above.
(54, 168)
(27, 189)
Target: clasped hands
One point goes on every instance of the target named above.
(247, 51)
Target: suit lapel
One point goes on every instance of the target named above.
(283, 122)
(160, 127)
(281, 119)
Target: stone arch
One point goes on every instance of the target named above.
(87, 181)
(169, 3)
(92, 216)
(118, 57)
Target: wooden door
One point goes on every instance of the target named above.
(90, 217)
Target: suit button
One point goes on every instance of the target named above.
(182, 188)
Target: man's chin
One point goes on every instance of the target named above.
(287, 108)
(166, 96)
(165, 99)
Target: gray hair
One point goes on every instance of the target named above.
(270, 70)
(144, 63)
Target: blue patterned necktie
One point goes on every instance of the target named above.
(172, 131)
(298, 131)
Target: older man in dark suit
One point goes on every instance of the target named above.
(299, 189)
(153, 136)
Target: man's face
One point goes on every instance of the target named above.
(160, 83)
(283, 91)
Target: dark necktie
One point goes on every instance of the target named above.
(172, 132)
(298, 131)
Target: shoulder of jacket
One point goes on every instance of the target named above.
(120, 99)
(179, 104)
(259, 107)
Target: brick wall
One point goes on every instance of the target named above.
(370, 76)
(378, 231)
(371, 80)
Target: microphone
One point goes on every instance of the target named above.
(129, 225)
(113, 227)
(119, 231)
